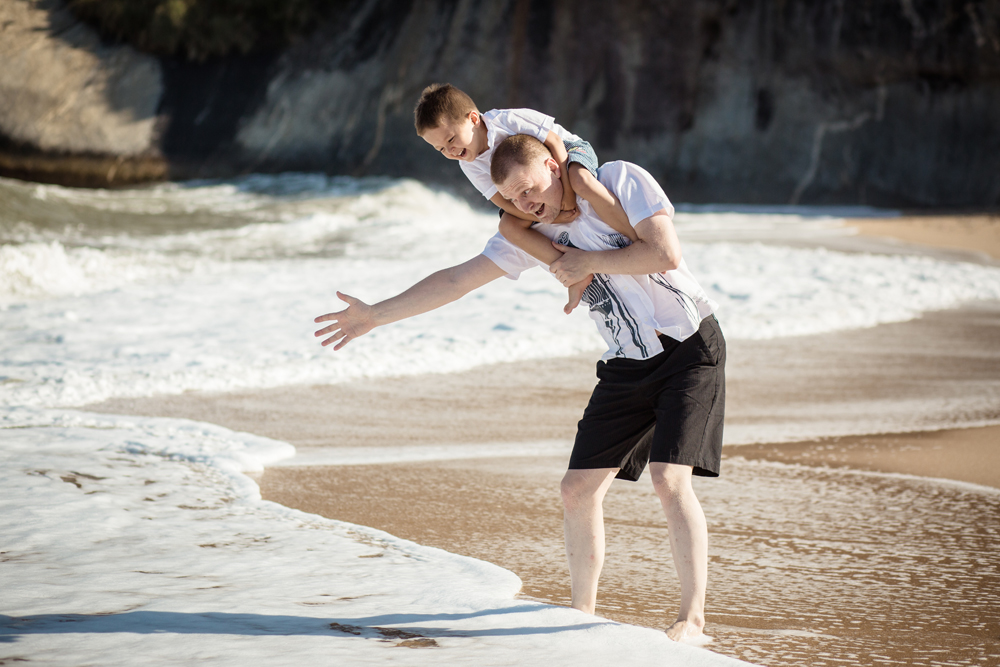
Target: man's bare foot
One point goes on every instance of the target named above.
(687, 632)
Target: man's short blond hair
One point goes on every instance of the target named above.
(517, 150)
(440, 103)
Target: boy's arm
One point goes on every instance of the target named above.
(607, 207)
(536, 244)
(508, 206)
(559, 154)
(432, 292)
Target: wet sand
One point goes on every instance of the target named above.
(810, 564)
(817, 557)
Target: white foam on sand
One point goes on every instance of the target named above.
(140, 541)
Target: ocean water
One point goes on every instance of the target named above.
(122, 534)
(214, 285)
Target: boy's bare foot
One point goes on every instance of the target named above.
(686, 632)
(576, 294)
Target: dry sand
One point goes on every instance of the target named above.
(975, 233)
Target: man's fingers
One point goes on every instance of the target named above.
(346, 298)
(325, 330)
(329, 316)
(347, 339)
(560, 248)
(333, 339)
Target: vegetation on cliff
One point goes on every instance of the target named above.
(200, 29)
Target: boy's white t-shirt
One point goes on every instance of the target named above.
(628, 310)
(500, 124)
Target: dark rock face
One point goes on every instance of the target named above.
(782, 101)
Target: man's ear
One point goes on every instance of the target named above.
(553, 166)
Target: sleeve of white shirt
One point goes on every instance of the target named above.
(524, 121)
(641, 196)
(480, 178)
(508, 257)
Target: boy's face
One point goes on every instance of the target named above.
(535, 190)
(461, 140)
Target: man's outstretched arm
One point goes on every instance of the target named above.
(432, 292)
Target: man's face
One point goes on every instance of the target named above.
(458, 140)
(535, 190)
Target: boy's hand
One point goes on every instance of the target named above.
(356, 320)
(568, 200)
(566, 215)
(576, 294)
(571, 268)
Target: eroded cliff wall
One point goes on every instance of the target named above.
(778, 101)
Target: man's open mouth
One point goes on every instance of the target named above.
(539, 211)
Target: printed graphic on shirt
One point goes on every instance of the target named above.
(686, 301)
(601, 298)
(614, 240)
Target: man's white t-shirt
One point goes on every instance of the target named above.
(500, 124)
(628, 310)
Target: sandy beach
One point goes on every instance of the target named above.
(789, 511)
(979, 234)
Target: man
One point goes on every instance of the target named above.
(661, 394)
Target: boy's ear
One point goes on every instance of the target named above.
(474, 117)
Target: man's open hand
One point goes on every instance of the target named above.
(571, 268)
(356, 320)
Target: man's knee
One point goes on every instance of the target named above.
(670, 480)
(581, 487)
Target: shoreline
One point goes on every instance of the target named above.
(506, 509)
(836, 399)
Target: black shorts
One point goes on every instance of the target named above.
(668, 409)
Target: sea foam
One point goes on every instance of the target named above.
(213, 286)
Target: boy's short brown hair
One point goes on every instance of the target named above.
(440, 102)
(517, 150)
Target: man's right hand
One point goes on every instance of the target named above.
(356, 320)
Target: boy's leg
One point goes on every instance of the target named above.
(688, 544)
(520, 233)
(583, 493)
(605, 204)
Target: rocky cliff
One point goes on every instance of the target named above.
(756, 101)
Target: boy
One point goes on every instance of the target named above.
(448, 119)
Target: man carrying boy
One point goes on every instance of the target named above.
(448, 119)
(661, 392)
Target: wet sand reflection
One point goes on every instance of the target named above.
(807, 566)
